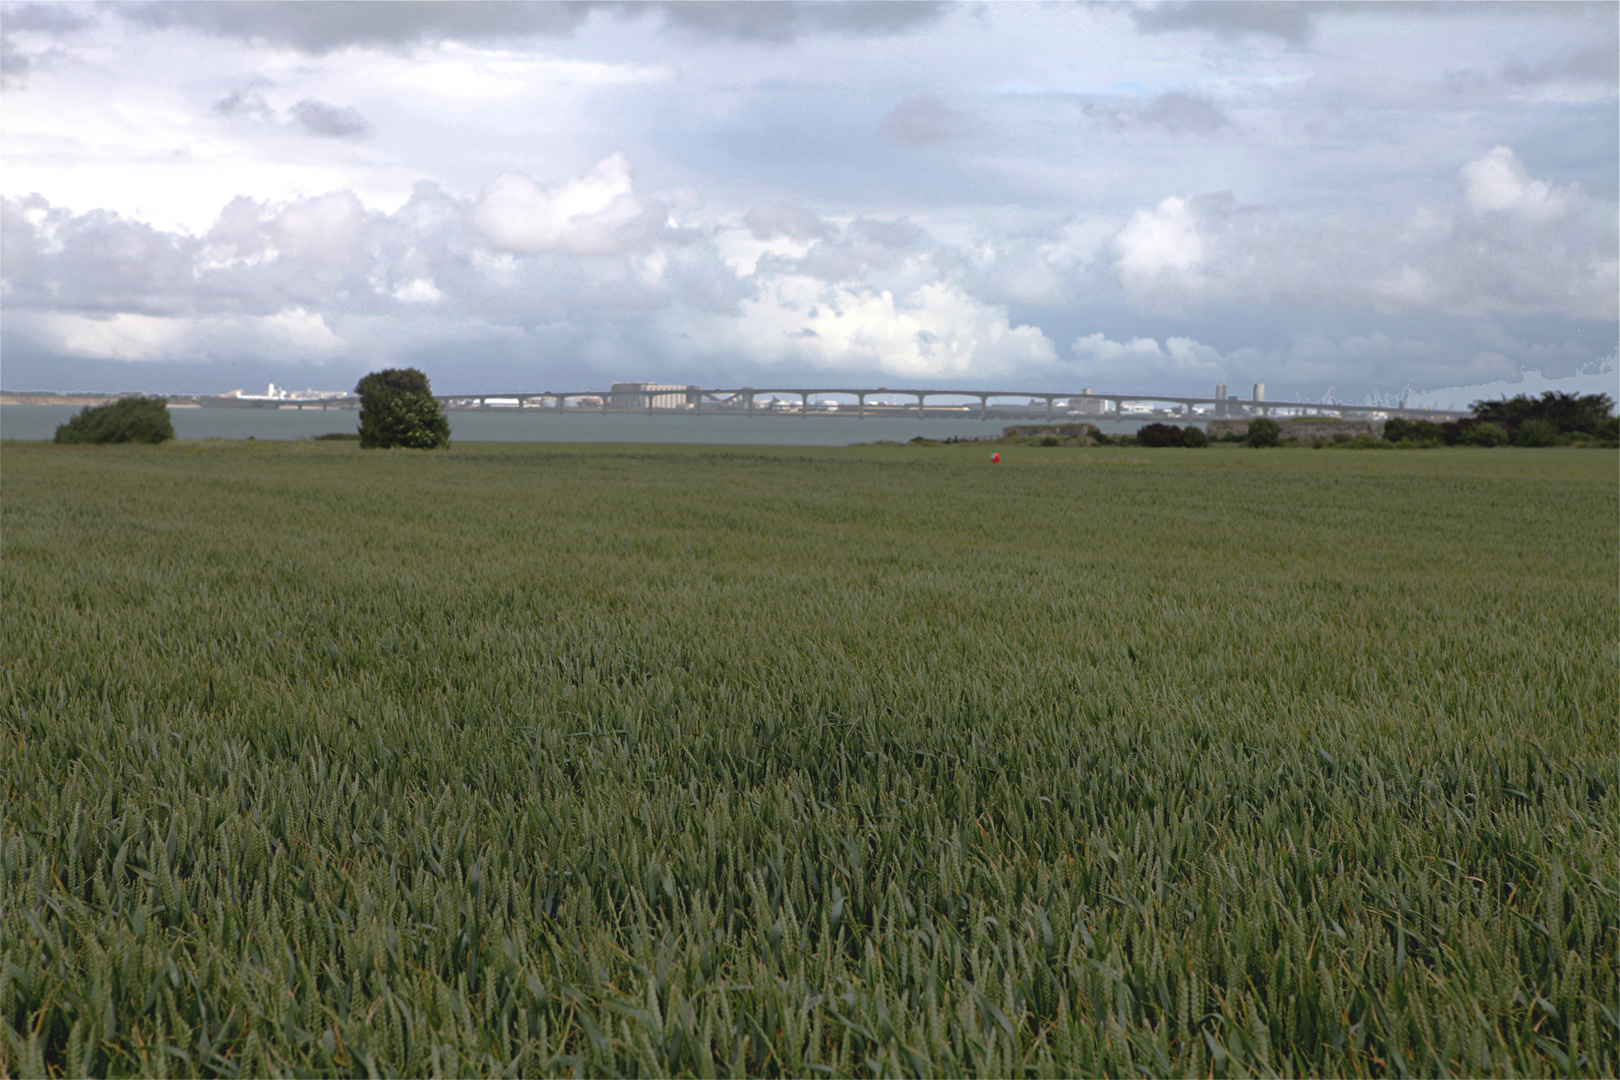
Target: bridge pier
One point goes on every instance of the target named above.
(984, 406)
(920, 406)
(1049, 408)
(860, 406)
(804, 403)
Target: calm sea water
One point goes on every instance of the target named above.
(539, 425)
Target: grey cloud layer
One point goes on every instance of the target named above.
(319, 28)
(322, 27)
(1159, 192)
(323, 274)
(778, 23)
(922, 121)
(1176, 112)
(1183, 112)
(1597, 62)
(1287, 22)
(329, 121)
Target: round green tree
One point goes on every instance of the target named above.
(1263, 432)
(397, 409)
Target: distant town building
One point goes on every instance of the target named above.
(279, 393)
(1259, 391)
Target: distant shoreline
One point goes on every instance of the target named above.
(176, 401)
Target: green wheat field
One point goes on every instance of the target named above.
(877, 760)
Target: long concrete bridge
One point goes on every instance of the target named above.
(657, 398)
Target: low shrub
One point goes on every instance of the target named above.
(338, 436)
(1159, 435)
(1263, 433)
(1413, 432)
(1483, 433)
(128, 420)
(1194, 437)
(1536, 431)
(1451, 432)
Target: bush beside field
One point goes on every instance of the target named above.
(664, 761)
(127, 420)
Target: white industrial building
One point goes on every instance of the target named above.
(645, 395)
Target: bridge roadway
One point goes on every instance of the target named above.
(743, 399)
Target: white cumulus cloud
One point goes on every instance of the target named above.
(294, 334)
(1161, 250)
(934, 331)
(1499, 182)
(588, 215)
(1179, 355)
(419, 291)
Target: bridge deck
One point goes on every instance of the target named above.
(746, 398)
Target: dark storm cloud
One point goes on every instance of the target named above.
(1290, 23)
(922, 121)
(1177, 112)
(329, 121)
(322, 27)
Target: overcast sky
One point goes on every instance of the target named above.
(1040, 196)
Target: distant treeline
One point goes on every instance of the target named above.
(1553, 419)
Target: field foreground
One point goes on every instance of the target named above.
(521, 759)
